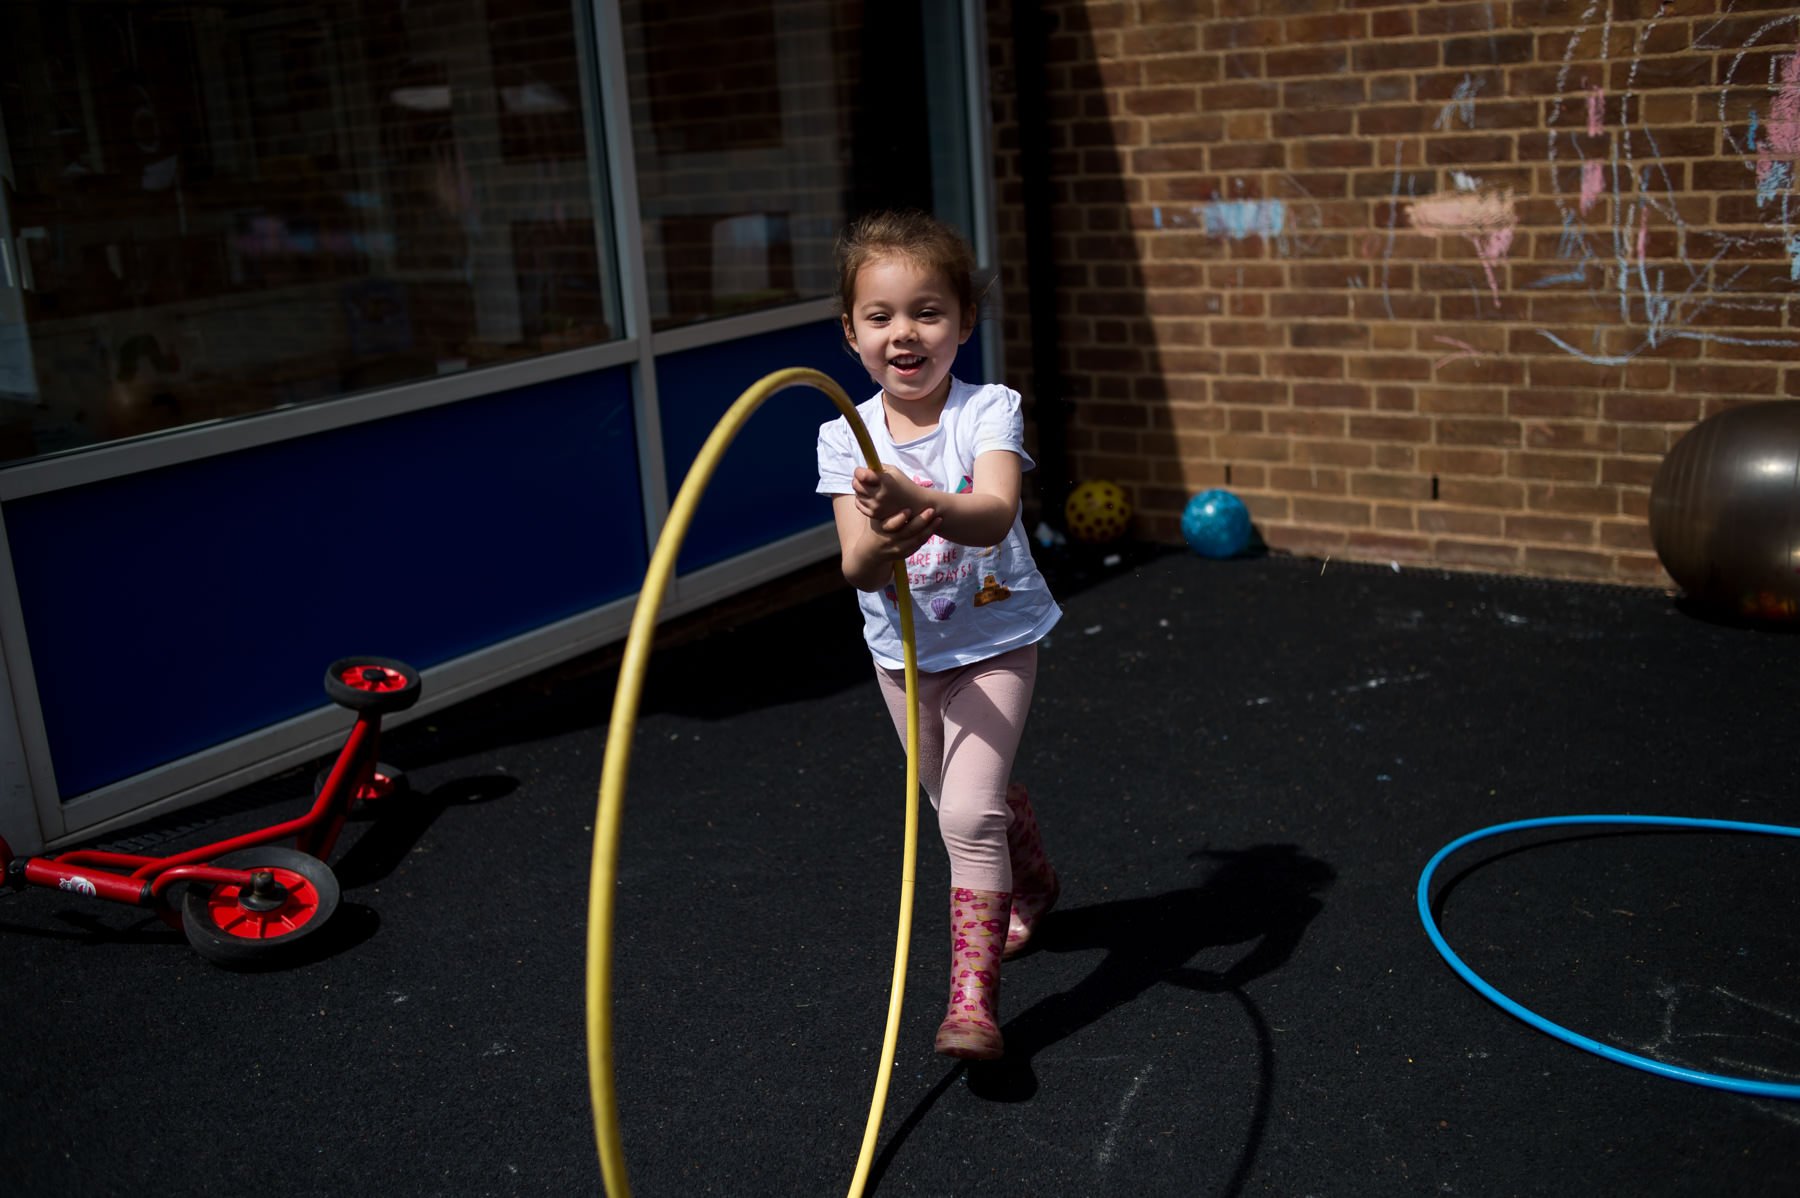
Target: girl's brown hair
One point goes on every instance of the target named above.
(913, 236)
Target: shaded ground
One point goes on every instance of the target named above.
(1241, 768)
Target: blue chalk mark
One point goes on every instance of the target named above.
(1570, 243)
(1772, 180)
(1238, 219)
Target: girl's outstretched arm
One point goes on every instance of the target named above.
(870, 547)
(984, 515)
(979, 517)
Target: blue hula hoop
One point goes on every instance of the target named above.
(1717, 1081)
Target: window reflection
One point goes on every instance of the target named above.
(213, 210)
(760, 126)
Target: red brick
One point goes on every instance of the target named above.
(1491, 494)
(1257, 449)
(1390, 428)
(1572, 500)
(1313, 122)
(1343, 513)
(1550, 530)
(1306, 366)
(1315, 304)
(1243, 34)
(1477, 432)
(1239, 94)
(1460, 522)
(1476, 16)
(1390, 486)
(1389, 367)
(1242, 391)
(1331, 395)
(1439, 460)
(1307, 60)
(1335, 27)
(1559, 435)
(1480, 554)
(1566, 563)
(1339, 92)
(1395, 56)
(1651, 409)
(1298, 480)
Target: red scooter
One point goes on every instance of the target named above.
(245, 901)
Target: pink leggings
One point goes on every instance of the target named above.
(970, 721)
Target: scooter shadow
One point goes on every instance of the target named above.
(395, 825)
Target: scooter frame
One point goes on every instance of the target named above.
(245, 901)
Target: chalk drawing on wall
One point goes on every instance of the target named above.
(1625, 199)
(1461, 105)
(1238, 219)
(1486, 217)
(1288, 226)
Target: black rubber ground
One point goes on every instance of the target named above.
(1240, 768)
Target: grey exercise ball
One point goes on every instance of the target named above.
(1725, 511)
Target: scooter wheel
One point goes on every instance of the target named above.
(375, 684)
(389, 782)
(257, 925)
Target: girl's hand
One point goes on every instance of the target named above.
(881, 496)
(870, 548)
(900, 535)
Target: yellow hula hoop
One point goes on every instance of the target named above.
(604, 872)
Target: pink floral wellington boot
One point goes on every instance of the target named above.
(971, 1027)
(1035, 885)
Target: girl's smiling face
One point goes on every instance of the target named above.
(906, 326)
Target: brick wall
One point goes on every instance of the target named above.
(1426, 282)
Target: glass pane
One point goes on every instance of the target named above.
(760, 126)
(216, 209)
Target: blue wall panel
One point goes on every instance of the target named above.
(173, 610)
(763, 487)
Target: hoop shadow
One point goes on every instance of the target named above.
(1262, 897)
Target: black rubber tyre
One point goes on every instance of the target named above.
(225, 927)
(390, 783)
(377, 684)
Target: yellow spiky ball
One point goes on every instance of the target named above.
(1097, 511)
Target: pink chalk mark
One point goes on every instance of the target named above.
(1468, 212)
(1491, 249)
(1593, 183)
(1784, 110)
(1468, 351)
(1596, 105)
(1486, 218)
(1643, 237)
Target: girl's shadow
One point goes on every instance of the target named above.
(1262, 898)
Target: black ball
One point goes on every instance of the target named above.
(1725, 511)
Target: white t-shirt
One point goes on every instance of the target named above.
(969, 603)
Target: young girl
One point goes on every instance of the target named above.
(947, 505)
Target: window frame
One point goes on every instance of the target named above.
(29, 798)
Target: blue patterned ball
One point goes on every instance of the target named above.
(1216, 524)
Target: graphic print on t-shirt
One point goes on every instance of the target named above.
(991, 592)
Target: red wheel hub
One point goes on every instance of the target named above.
(230, 909)
(375, 679)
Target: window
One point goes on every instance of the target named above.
(212, 210)
(761, 126)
